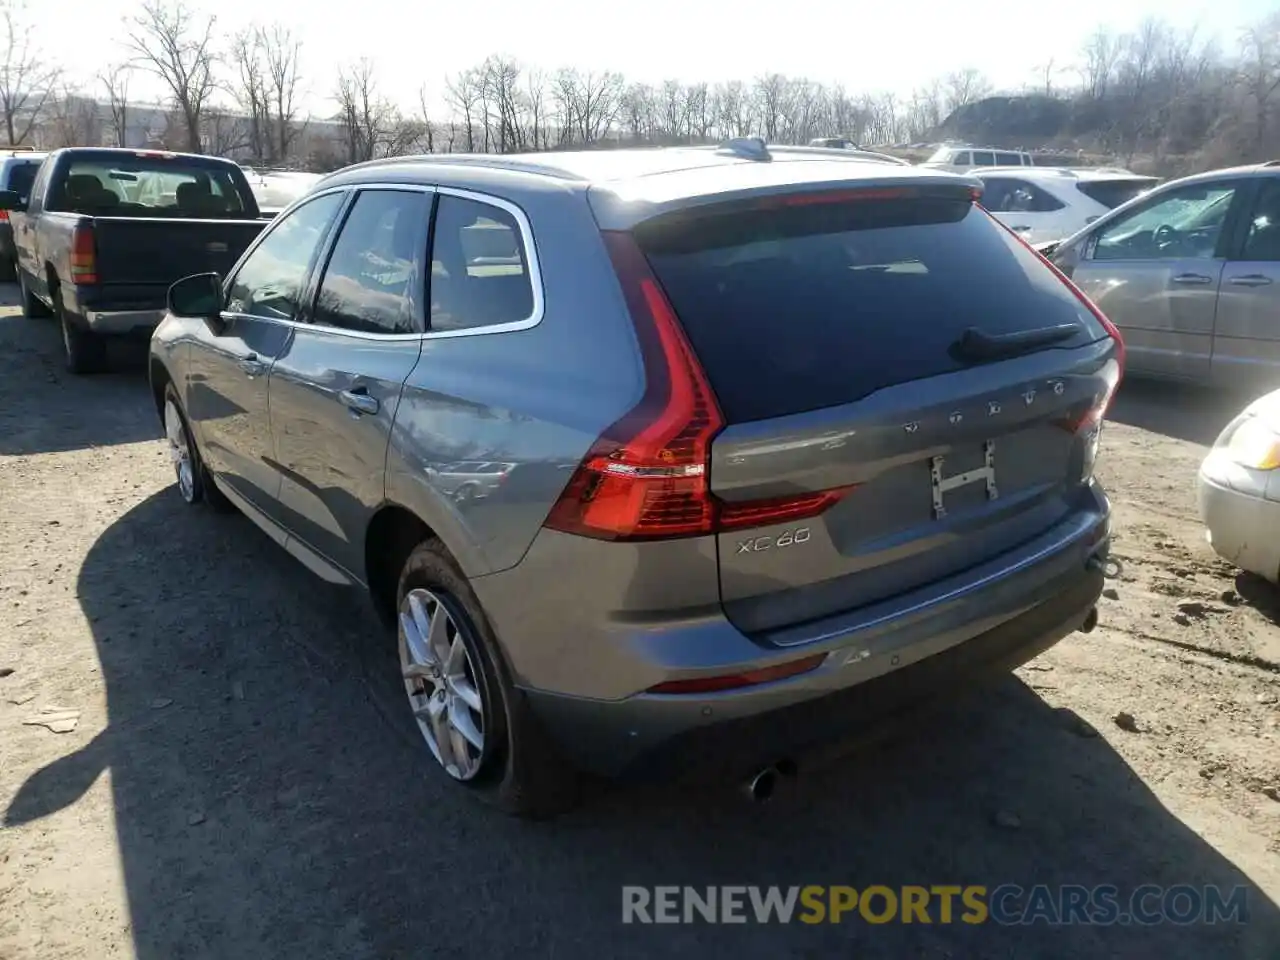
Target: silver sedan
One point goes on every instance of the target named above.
(1240, 489)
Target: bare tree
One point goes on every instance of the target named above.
(115, 80)
(72, 121)
(176, 45)
(282, 51)
(369, 123)
(249, 88)
(27, 79)
(1260, 74)
(965, 87)
(464, 91)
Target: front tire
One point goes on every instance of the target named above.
(193, 480)
(476, 724)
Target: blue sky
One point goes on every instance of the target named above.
(881, 47)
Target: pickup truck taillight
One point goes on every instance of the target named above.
(84, 255)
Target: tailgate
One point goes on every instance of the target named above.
(839, 340)
(160, 251)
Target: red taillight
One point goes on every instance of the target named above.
(748, 678)
(84, 255)
(762, 513)
(647, 476)
(4, 216)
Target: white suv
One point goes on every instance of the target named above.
(964, 159)
(1042, 204)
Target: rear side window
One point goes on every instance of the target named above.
(799, 308)
(479, 267)
(1112, 193)
(375, 275)
(21, 177)
(1008, 159)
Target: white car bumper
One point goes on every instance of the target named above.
(1243, 524)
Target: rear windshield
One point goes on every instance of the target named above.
(149, 187)
(1112, 193)
(21, 177)
(810, 306)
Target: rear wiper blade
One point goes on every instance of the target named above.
(976, 345)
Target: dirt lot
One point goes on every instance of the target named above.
(239, 784)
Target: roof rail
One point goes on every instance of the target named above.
(747, 148)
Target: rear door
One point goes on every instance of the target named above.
(834, 336)
(1155, 272)
(336, 387)
(1246, 342)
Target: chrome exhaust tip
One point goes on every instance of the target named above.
(760, 787)
(1090, 620)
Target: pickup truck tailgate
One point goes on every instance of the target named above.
(161, 250)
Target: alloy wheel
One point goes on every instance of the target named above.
(179, 451)
(442, 683)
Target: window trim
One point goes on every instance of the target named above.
(532, 263)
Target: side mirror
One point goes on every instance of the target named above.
(198, 297)
(12, 200)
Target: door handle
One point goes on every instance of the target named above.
(1192, 279)
(252, 366)
(358, 401)
(1020, 228)
(1250, 280)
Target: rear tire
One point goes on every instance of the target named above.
(86, 351)
(8, 271)
(517, 769)
(32, 306)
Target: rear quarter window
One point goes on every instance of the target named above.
(799, 308)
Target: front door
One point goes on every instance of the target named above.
(335, 389)
(1246, 342)
(1155, 272)
(230, 366)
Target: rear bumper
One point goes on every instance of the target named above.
(873, 669)
(123, 322)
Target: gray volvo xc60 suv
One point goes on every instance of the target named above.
(783, 441)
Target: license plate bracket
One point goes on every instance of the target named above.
(985, 474)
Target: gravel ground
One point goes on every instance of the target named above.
(239, 783)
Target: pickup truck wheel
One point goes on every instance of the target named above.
(32, 306)
(476, 724)
(8, 271)
(86, 351)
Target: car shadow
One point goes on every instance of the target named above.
(1177, 410)
(31, 360)
(271, 802)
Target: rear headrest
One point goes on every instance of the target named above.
(189, 194)
(83, 185)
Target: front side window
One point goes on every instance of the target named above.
(375, 278)
(269, 283)
(1182, 224)
(479, 267)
